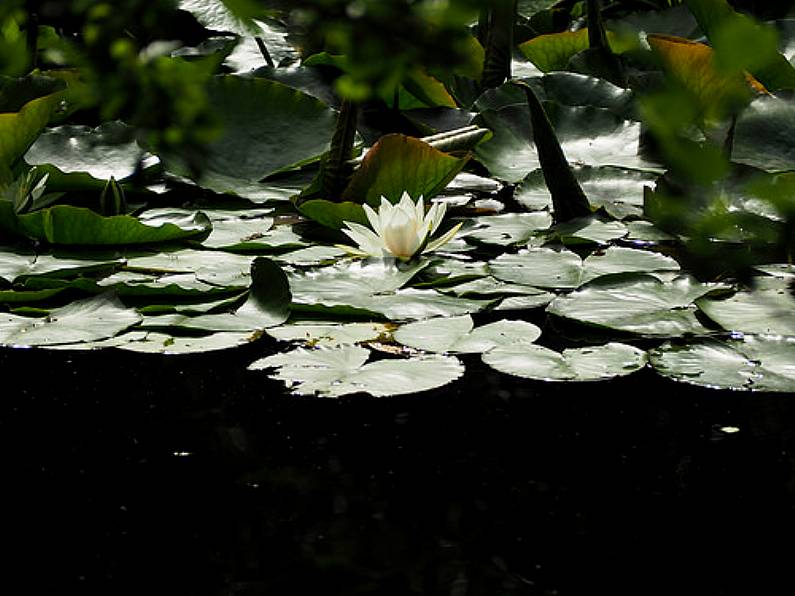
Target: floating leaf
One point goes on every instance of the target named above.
(588, 136)
(619, 191)
(334, 372)
(267, 305)
(616, 259)
(638, 304)
(68, 225)
(539, 267)
(595, 363)
(747, 364)
(761, 311)
(589, 230)
(85, 157)
(457, 334)
(85, 320)
(218, 268)
(149, 342)
(764, 132)
(507, 229)
(266, 127)
(15, 266)
(330, 334)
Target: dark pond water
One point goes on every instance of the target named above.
(151, 475)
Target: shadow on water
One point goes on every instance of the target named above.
(189, 475)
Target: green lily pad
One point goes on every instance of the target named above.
(397, 164)
(457, 334)
(762, 137)
(747, 364)
(564, 88)
(216, 16)
(267, 305)
(15, 266)
(588, 136)
(149, 342)
(539, 267)
(218, 268)
(618, 190)
(589, 230)
(330, 334)
(334, 372)
(311, 256)
(595, 363)
(68, 225)
(507, 229)
(85, 157)
(267, 127)
(640, 304)
(333, 215)
(90, 319)
(764, 311)
(616, 259)
(351, 280)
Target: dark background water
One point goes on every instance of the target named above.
(127, 473)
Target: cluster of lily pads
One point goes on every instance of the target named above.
(188, 262)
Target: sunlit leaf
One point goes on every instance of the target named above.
(642, 304)
(83, 320)
(334, 372)
(458, 334)
(747, 364)
(595, 363)
(397, 163)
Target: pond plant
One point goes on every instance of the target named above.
(569, 191)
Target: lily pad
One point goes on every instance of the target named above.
(266, 127)
(595, 363)
(458, 335)
(539, 267)
(267, 305)
(618, 190)
(148, 342)
(616, 259)
(330, 334)
(589, 230)
(588, 136)
(507, 229)
(640, 304)
(764, 132)
(747, 364)
(68, 225)
(763, 311)
(85, 320)
(90, 155)
(334, 372)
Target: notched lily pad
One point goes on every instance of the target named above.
(639, 304)
(85, 320)
(334, 372)
(752, 363)
(595, 363)
(457, 334)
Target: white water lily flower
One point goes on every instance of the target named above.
(400, 230)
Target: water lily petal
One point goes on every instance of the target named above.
(365, 238)
(373, 217)
(400, 234)
(435, 216)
